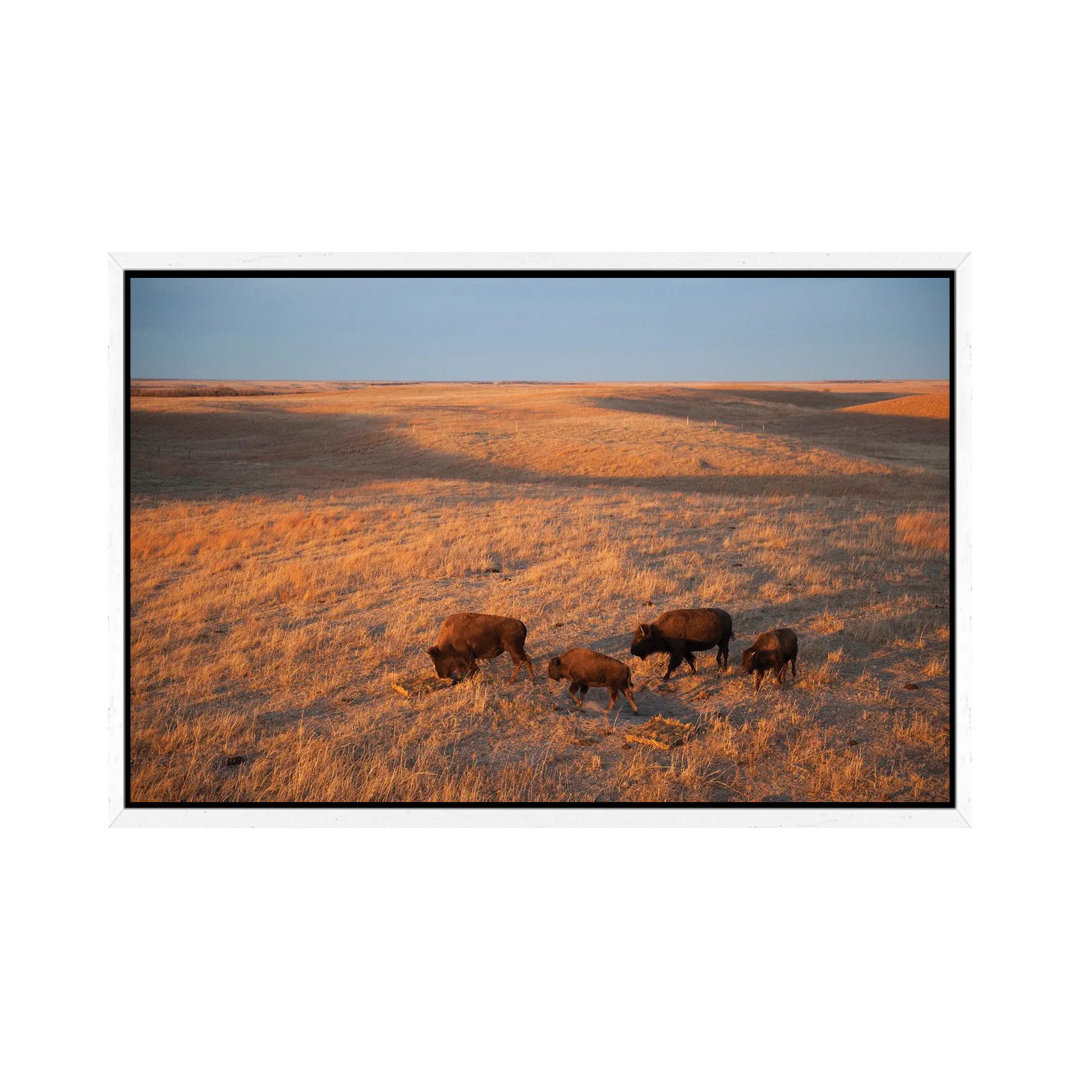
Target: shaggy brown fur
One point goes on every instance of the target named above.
(467, 637)
(771, 651)
(683, 632)
(585, 668)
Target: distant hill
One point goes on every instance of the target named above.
(932, 406)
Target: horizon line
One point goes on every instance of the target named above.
(532, 382)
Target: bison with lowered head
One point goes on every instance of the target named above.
(585, 668)
(467, 637)
(771, 651)
(682, 633)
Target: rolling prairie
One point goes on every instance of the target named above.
(295, 546)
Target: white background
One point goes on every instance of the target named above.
(555, 127)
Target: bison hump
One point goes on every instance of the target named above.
(781, 640)
(697, 624)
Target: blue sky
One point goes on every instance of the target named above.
(548, 329)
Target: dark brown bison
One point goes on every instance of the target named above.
(762, 661)
(771, 651)
(467, 637)
(682, 633)
(585, 668)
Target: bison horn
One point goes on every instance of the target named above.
(641, 629)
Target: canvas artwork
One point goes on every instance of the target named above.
(538, 539)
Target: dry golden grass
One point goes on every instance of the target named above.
(661, 733)
(827, 623)
(294, 551)
(926, 530)
(931, 406)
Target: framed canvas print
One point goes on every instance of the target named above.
(540, 540)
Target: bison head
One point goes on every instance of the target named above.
(448, 665)
(555, 668)
(748, 660)
(645, 641)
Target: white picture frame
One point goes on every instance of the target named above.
(681, 816)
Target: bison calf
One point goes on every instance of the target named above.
(467, 637)
(682, 633)
(771, 651)
(585, 668)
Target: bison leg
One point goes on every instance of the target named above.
(630, 697)
(690, 661)
(521, 657)
(722, 656)
(793, 669)
(614, 697)
(674, 660)
(758, 676)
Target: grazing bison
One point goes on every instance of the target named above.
(682, 633)
(585, 668)
(762, 661)
(467, 637)
(771, 651)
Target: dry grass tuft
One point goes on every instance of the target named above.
(827, 623)
(935, 668)
(825, 674)
(923, 732)
(926, 530)
(660, 732)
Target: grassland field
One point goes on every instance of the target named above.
(295, 546)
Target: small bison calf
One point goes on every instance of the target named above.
(771, 651)
(467, 637)
(585, 668)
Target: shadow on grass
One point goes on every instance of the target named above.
(254, 450)
(810, 418)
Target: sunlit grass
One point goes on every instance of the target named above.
(292, 559)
